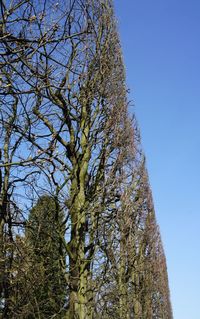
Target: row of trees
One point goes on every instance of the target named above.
(78, 233)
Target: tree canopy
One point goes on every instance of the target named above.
(78, 233)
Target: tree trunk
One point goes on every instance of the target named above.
(78, 274)
(2, 260)
(78, 263)
(123, 294)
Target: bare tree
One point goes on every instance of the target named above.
(66, 133)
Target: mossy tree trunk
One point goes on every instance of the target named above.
(78, 264)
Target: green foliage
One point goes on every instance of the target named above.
(45, 238)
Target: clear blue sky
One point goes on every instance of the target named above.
(161, 47)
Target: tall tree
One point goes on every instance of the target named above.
(62, 71)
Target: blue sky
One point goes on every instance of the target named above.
(161, 47)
